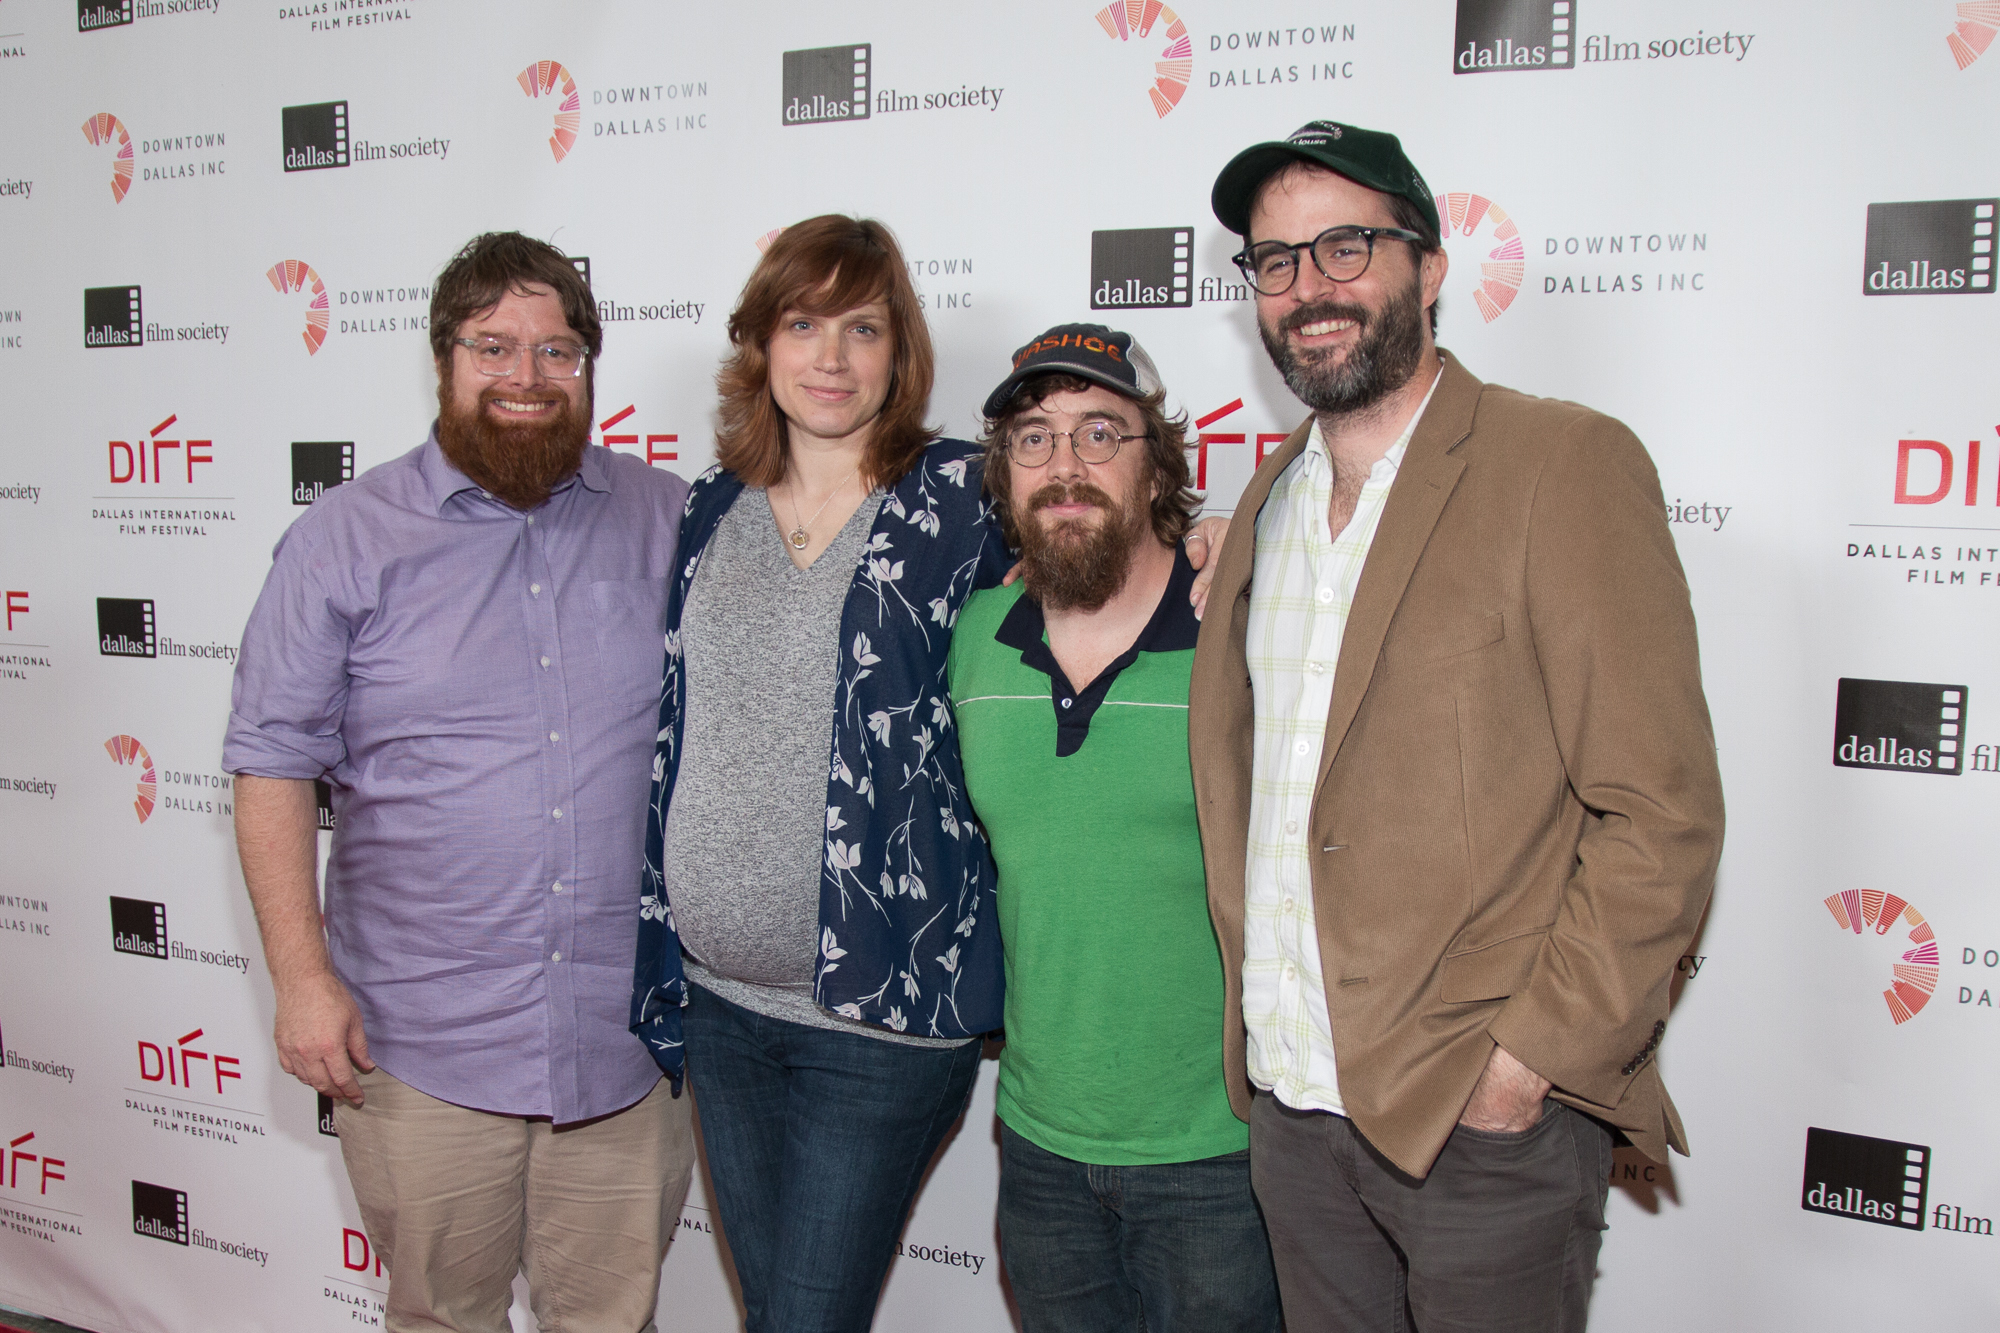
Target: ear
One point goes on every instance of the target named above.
(1436, 264)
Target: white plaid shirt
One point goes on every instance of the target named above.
(1301, 588)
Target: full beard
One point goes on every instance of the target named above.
(1073, 565)
(1381, 361)
(519, 462)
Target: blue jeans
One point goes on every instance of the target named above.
(1175, 1248)
(816, 1143)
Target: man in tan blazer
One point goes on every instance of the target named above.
(1456, 781)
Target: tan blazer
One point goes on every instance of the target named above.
(1518, 813)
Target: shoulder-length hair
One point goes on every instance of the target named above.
(824, 266)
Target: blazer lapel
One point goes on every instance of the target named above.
(1423, 484)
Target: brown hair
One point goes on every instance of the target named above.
(823, 266)
(495, 263)
(1177, 503)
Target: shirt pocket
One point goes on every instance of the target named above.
(629, 620)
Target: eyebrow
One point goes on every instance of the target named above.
(1039, 418)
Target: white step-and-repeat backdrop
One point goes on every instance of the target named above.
(1759, 232)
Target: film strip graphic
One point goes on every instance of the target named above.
(1915, 978)
(1865, 1179)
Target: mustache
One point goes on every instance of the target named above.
(1057, 493)
(1323, 310)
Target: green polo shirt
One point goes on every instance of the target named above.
(1114, 980)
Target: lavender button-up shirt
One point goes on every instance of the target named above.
(480, 686)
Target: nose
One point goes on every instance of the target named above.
(527, 371)
(1064, 465)
(1311, 284)
(831, 353)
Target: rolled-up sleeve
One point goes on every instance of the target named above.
(290, 690)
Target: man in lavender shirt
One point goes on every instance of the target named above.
(466, 643)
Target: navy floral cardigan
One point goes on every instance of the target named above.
(907, 938)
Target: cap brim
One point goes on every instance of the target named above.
(996, 402)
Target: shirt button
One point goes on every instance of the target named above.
(1303, 747)
(558, 812)
(1291, 826)
(535, 588)
(1287, 905)
(1065, 703)
(1325, 595)
(545, 664)
(556, 887)
(531, 520)
(556, 957)
(555, 736)
(1315, 667)
(1291, 972)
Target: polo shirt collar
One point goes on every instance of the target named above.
(1172, 628)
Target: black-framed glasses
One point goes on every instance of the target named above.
(1340, 253)
(499, 356)
(1092, 442)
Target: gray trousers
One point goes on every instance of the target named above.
(1500, 1237)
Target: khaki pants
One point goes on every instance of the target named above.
(457, 1201)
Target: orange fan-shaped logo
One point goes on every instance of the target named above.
(1122, 20)
(1915, 977)
(297, 276)
(1501, 271)
(1978, 20)
(127, 750)
(101, 129)
(543, 78)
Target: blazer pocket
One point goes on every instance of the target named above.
(1432, 643)
(1493, 972)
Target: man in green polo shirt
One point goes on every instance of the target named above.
(1125, 1200)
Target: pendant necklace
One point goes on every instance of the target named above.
(798, 536)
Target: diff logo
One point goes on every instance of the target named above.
(1978, 20)
(543, 79)
(160, 1211)
(94, 14)
(315, 136)
(139, 927)
(1903, 726)
(1504, 263)
(1142, 266)
(827, 83)
(112, 317)
(1914, 978)
(1122, 20)
(172, 1063)
(1866, 1180)
(1934, 486)
(104, 128)
(296, 276)
(318, 466)
(125, 627)
(13, 1156)
(127, 750)
(1932, 247)
(1498, 35)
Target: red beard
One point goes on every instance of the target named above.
(1075, 565)
(521, 463)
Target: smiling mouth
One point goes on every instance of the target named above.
(1322, 327)
(515, 407)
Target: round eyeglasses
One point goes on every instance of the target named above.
(1093, 442)
(1340, 253)
(499, 356)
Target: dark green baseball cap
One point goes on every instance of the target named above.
(1366, 157)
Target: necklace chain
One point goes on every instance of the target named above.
(799, 538)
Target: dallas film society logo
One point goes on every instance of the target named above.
(161, 1212)
(1122, 20)
(1141, 266)
(128, 627)
(115, 317)
(316, 138)
(1932, 247)
(1496, 35)
(1899, 725)
(293, 275)
(836, 83)
(92, 15)
(1865, 1179)
(139, 928)
(318, 466)
(1913, 978)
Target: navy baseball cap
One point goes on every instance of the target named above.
(1092, 351)
(1366, 157)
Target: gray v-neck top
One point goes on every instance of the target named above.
(760, 643)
